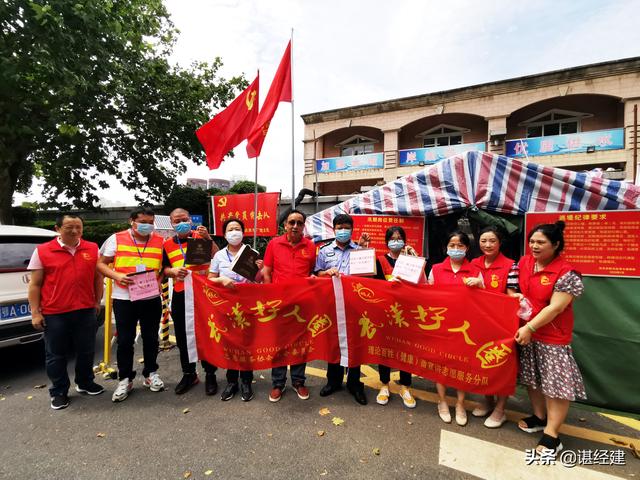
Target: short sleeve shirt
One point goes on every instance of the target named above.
(332, 256)
(289, 261)
(221, 264)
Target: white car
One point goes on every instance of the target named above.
(16, 247)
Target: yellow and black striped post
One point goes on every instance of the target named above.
(165, 342)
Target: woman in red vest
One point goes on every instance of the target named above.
(547, 366)
(495, 268)
(396, 239)
(455, 270)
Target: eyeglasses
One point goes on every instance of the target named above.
(293, 223)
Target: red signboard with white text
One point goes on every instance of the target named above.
(377, 225)
(242, 207)
(602, 243)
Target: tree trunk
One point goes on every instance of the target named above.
(7, 187)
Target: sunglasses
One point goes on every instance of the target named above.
(296, 222)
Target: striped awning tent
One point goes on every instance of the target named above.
(490, 182)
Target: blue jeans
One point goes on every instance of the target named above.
(279, 375)
(77, 328)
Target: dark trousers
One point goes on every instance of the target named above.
(179, 327)
(385, 376)
(245, 375)
(335, 374)
(128, 314)
(279, 375)
(77, 328)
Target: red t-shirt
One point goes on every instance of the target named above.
(443, 274)
(68, 283)
(289, 261)
(495, 276)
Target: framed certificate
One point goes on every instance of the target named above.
(409, 268)
(362, 261)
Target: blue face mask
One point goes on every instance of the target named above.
(456, 254)
(395, 245)
(182, 228)
(144, 229)
(343, 235)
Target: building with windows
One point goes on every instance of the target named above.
(579, 118)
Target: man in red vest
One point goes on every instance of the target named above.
(136, 254)
(64, 295)
(173, 262)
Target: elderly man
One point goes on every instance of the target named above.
(135, 251)
(173, 262)
(288, 257)
(64, 295)
(333, 260)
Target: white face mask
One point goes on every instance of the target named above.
(234, 237)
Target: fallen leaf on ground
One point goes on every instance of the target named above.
(410, 423)
(582, 419)
(337, 421)
(376, 451)
(40, 386)
(323, 472)
(321, 433)
(141, 360)
(29, 397)
(101, 435)
(186, 410)
(362, 460)
(208, 472)
(2, 397)
(634, 451)
(324, 411)
(186, 474)
(269, 434)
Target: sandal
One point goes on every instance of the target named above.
(533, 424)
(548, 445)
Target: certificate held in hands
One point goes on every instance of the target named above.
(145, 285)
(198, 251)
(244, 263)
(362, 261)
(410, 268)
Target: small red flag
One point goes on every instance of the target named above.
(229, 127)
(280, 91)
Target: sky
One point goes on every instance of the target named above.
(353, 52)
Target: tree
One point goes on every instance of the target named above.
(88, 91)
(246, 186)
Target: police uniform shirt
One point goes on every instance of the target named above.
(332, 256)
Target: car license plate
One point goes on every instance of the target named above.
(14, 310)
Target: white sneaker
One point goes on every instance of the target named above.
(407, 398)
(122, 390)
(383, 396)
(153, 382)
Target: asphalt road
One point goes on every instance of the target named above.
(150, 435)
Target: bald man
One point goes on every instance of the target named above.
(173, 262)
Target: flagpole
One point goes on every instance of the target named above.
(293, 175)
(255, 209)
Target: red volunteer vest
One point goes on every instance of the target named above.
(172, 249)
(68, 279)
(444, 275)
(538, 288)
(495, 276)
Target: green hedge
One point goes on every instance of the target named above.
(94, 230)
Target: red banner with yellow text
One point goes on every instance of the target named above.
(242, 207)
(255, 327)
(457, 336)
